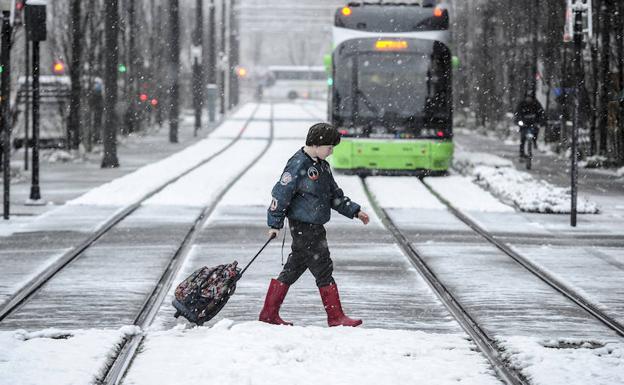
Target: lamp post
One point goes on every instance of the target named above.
(6, 6)
(579, 22)
(36, 32)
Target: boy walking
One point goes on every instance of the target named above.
(305, 194)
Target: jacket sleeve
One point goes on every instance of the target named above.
(517, 114)
(342, 203)
(281, 195)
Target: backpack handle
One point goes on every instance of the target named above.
(256, 256)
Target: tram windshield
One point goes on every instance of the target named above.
(399, 91)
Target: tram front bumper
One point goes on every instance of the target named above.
(392, 155)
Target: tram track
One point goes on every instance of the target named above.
(36, 283)
(540, 273)
(119, 365)
(484, 343)
(307, 107)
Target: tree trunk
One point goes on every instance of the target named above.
(174, 69)
(111, 26)
(134, 67)
(73, 125)
(605, 58)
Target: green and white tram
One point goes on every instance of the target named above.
(390, 94)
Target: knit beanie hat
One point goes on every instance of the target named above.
(322, 134)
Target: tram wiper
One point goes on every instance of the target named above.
(374, 109)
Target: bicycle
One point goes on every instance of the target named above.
(529, 136)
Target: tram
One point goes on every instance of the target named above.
(390, 94)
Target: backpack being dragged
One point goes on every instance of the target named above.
(203, 294)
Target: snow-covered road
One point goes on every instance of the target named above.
(408, 336)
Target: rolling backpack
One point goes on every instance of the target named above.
(204, 293)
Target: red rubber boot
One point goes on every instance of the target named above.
(274, 298)
(331, 301)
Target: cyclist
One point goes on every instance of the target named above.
(529, 114)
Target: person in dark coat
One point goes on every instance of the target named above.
(305, 194)
(528, 115)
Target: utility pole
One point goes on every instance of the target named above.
(233, 59)
(5, 93)
(581, 11)
(73, 125)
(174, 69)
(134, 61)
(111, 27)
(26, 100)
(36, 32)
(212, 40)
(211, 91)
(196, 54)
(223, 65)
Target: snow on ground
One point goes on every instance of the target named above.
(13, 224)
(402, 192)
(132, 187)
(202, 185)
(352, 187)
(234, 353)
(24, 269)
(465, 195)
(550, 362)
(55, 356)
(263, 175)
(517, 187)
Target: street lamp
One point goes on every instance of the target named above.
(578, 23)
(6, 6)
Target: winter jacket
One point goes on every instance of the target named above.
(307, 192)
(530, 113)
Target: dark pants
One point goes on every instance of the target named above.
(523, 133)
(309, 251)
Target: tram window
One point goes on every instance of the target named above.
(394, 85)
(412, 88)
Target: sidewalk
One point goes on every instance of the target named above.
(546, 166)
(62, 181)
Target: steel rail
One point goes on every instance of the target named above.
(533, 268)
(121, 363)
(485, 344)
(32, 286)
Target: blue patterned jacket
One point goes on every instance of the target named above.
(307, 192)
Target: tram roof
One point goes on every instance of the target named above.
(392, 17)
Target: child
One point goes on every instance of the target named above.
(306, 193)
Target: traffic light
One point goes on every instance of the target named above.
(122, 69)
(36, 21)
(58, 68)
(154, 102)
(241, 72)
(143, 97)
(17, 13)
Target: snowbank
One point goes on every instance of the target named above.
(558, 362)
(55, 356)
(256, 353)
(518, 188)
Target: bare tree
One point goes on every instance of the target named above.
(73, 126)
(110, 84)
